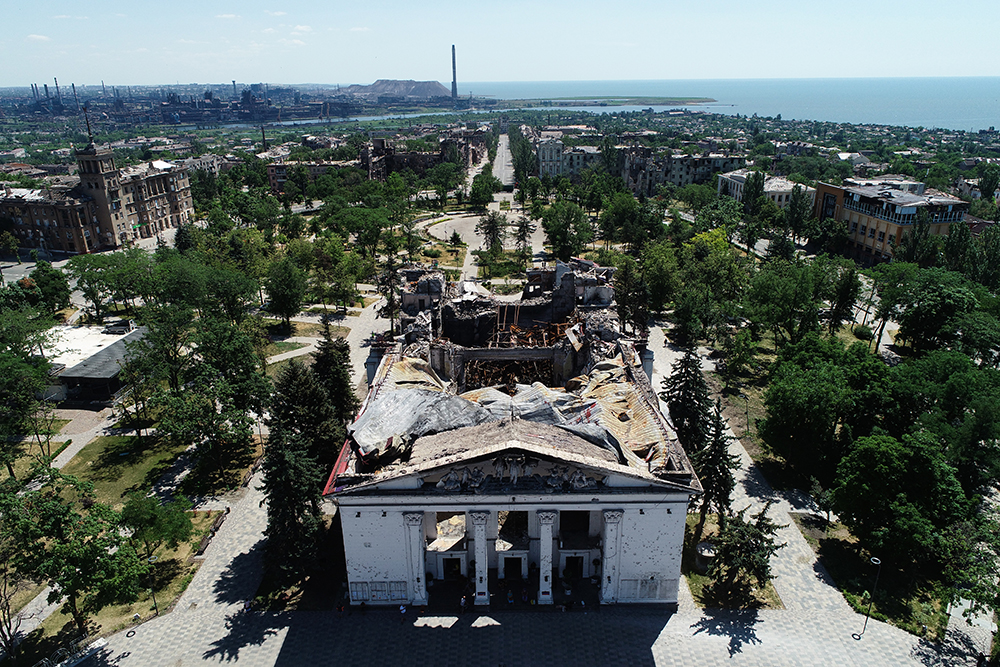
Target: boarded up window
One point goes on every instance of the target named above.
(397, 590)
(380, 590)
(359, 590)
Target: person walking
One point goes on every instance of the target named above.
(402, 614)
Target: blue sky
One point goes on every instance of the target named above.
(186, 41)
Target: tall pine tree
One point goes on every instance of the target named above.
(292, 482)
(301, 407)
(686, 395)
(332, 366)
(715, 466)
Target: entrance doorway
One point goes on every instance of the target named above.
(452, 568)
(574, 567)
(512, 568)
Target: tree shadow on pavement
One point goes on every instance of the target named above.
(245, 628)
(738, 626)
(239, 581)
(957, 649)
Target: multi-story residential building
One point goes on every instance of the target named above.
(776, 188)
(107, 208)
(879, 214)
(555, 159)
(280, 172)
(644, 169)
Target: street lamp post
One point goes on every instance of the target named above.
(871, 598)
(747, 399)
(152, 585)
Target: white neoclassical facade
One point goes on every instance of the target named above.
(552, 494)
(531, 501)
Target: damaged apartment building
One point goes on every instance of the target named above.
(512, 448)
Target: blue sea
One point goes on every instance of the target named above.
(956, 103)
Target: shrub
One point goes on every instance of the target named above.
(863, 332)
(433, 253)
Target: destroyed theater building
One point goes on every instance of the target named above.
(512, 446)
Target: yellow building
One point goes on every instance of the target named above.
(879, 213)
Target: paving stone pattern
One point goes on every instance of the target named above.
(815, 628)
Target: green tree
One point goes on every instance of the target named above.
(631, 296)
(492, 227)
(566, 228)
(10, 245)
(90, 273)
(753, 193)
(204, 416)
(332, 366)
(389, 283)
(918, 246)
(286, 289)
(301, 407)
(153, 524)
(797, 211)
(686, 394)
(989, 179)
(661, 273)
(74, 545)
(846, 292)
(715, 465)
(291, 482)
(523, 229)
(743, 556)
(895, 496)
(53, 285)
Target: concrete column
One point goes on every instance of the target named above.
(415, 550)
(612, 553)
(545, 520)
(479, 520)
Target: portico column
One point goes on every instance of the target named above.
(479, 520)
(612, 552)
(545, 520)
(415, 546)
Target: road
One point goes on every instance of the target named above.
(503, 165)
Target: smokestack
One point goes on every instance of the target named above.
(104, 89)
(75, 98)
(454, 75)
(46, 90)
(234, 89)
(58, 96)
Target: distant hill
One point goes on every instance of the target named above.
(415, 89)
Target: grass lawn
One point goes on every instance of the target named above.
(119, 464)
(65, 314)
(23, 466)
(901, 600)
(170, 576)
(509, 264)
(450, 255)
(766, 598)
(280, 347)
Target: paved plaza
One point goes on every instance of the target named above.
(208, 625)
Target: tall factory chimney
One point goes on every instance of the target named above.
(58, 96)
(454, 75)
(46, 90)
(75, 98)
(104, 90)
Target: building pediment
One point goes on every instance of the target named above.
(513, 467)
